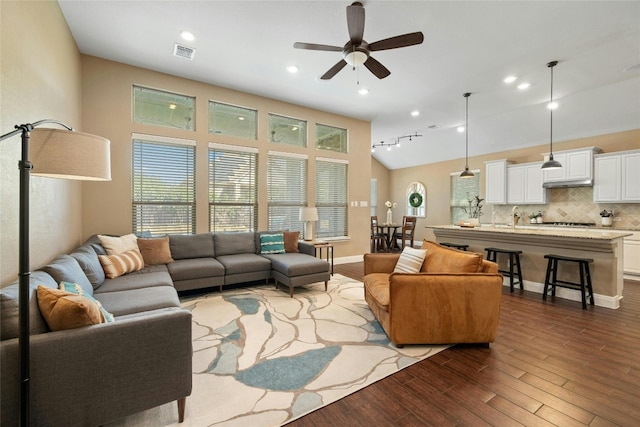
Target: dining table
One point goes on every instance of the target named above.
(388, 230)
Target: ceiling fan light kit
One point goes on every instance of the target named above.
(357, 51)
(551, 163)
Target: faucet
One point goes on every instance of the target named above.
(513, 216)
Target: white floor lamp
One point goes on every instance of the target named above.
(60, 154)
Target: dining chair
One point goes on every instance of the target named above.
(377, 238)
(407, 232)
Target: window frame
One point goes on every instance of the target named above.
(191, 122)
(277, 180)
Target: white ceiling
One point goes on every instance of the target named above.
(470, 46)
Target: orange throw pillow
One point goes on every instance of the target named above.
(291, 241)
(441, 259)
(65, 310)
(155, 251)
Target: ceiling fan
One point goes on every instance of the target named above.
(357, 51)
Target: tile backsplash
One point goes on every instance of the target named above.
(569, 205)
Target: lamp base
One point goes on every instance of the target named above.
(308, 232)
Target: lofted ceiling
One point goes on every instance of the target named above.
(469, 46)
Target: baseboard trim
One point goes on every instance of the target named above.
(605, 301)
(347, 259)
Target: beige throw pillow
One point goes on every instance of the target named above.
(155, 251)
(118, 245)
(410, 260)
(117, 265)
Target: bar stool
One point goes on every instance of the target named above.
(552, 280)
(514, 261)
(455, 246)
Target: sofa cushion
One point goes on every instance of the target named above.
(75, 289)
(136, 281)
(291, 241)
(185, 246)
(272, 243)
(119, 264)
(196, 268)
(65, 310)
(293, 265)
(9, 320)
(441, 259)
(377, 284)
(117, 245)
(244, 263)
(410, 260)
(88, 260)
(234, 243)
(65, 268)
(139, 300)
(155, 251)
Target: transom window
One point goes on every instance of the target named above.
(160, 108)
(331, 138)
(225, 119)
(163, 185)
(286, 130)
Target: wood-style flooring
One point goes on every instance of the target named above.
(553, 364)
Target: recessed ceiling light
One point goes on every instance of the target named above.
(552, 105)
(460, 129)
(363, 91)
(187, 35)
(523, 86)
(292, 69)
(415, 113)
(510, 79)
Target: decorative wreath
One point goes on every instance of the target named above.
(415, 200)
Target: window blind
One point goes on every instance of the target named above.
(331, 198)
(163, 187)
(287, 191)
(233, 189)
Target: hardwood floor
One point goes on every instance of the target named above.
(553, 364)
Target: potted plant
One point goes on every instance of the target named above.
(533, 218)
(606, 218)
(389, 206)
(539, 217)
(474, 209)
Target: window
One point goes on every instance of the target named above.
(462, 189)
(233, 188)
(331, 138)
(163, 185)
(331, 198)
(285, 130)
(156, 107)
(232, 120)
(287, 190)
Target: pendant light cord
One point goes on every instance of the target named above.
(551, 65)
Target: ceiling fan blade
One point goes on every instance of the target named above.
(334, 70)
(313, 46)
(403, 40)
(355, 22)
(378, 70)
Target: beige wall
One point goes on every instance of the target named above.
(107, 105)
(39, 79)
(435, 176)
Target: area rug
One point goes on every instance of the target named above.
(262, 358)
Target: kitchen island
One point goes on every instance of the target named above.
(605, 247)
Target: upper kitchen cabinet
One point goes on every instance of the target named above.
(496, 182)
(616, 177)
(577, 168)
(524, 184)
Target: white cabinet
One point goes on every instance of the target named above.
(616, 177)
(577, 165)
(631, 260)
(496, 182)
(524, 184)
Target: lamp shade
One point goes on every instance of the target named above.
(68, 154)
(308, 214)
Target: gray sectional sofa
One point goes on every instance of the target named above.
(96, 374)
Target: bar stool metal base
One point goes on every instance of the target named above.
(514, 261)
(551, 278)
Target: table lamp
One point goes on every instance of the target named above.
(308, 215)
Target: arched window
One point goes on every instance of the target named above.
(416, 199)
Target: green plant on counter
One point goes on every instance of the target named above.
(474, 210)
(605, 213)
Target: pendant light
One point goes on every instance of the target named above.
(551, 163)
(466, 173)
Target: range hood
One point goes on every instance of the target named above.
(566, 184)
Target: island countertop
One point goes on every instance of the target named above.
(579, 233)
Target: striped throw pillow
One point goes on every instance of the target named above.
(117, 265)
(410, 260)
(272, 243)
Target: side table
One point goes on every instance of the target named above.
(319, 245)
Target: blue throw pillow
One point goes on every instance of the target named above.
(272, 243)
(74, 288)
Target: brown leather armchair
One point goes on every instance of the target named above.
(454, 299)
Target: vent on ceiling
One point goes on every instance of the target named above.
(184, 51)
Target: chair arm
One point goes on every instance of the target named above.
(444, 308)
(97, 374)
(380, 263)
